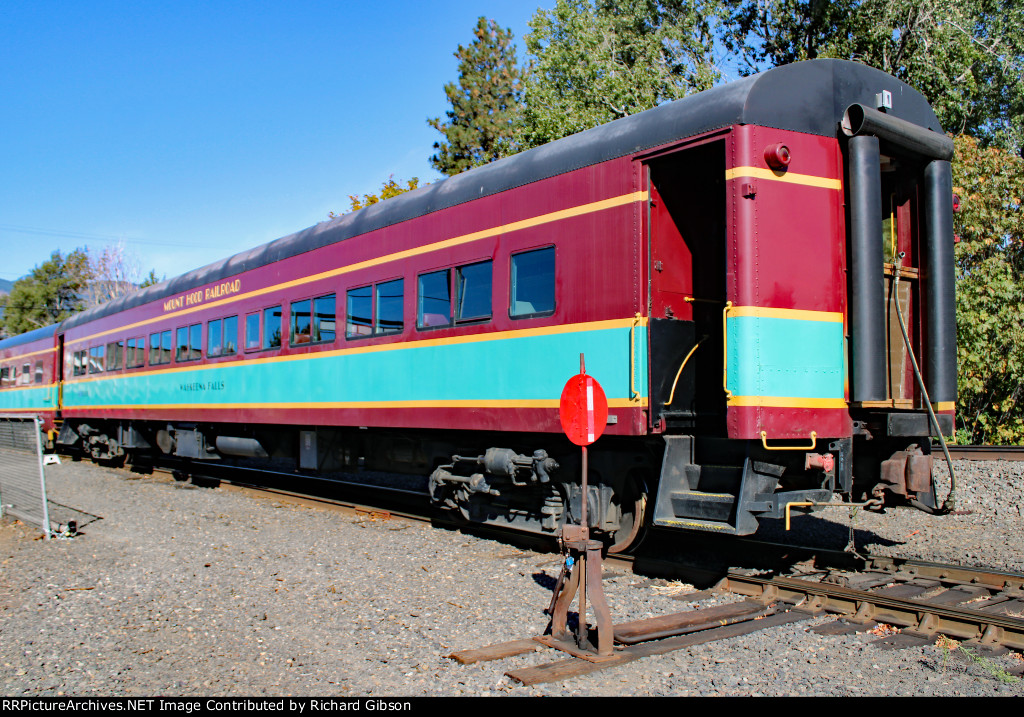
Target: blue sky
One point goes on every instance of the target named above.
(194, 130)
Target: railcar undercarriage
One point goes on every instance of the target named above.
(528, 489)
(530, 482)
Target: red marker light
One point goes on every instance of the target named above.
(956, 202)
(777, 156)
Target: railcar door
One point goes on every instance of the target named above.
(58, 374)
(687, 289)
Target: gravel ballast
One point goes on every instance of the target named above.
(187, 591)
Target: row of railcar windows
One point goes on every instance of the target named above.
(10, 378)
(447, 297)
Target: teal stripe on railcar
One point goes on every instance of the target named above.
(34, 398)
(518, 368)
(769, 356)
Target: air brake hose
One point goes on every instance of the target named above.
(949, 505)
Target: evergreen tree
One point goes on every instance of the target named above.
(53, 291)
(599, 60)
(485, 103)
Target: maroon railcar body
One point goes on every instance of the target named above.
(731, 265)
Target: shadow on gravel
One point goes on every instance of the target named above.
(545, 581)
(69, 521)
(820, 532)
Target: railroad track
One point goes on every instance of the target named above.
(349, 497)
(983, 453)
(984, 608)
(925, 598)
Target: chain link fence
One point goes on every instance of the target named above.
(22, 480)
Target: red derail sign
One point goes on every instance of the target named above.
(583, 409)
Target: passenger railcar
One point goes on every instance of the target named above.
(28, 384)
(730, 264)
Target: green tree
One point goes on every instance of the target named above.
(990, 293)
(150, 280)
(594, 61)
(965, 56)
(767, 33)
(389, 189)
(53, 291)
(485, 103)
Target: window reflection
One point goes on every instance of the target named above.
(532, 291)
(434, 303)
(272, 327)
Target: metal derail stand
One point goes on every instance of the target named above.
(585, 555)
(584, 566)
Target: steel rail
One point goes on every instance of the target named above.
(947, 573)
(984, 453)
(307, 498)
(373, 510)
(923, 618)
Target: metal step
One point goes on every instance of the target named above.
(703, 506)
(703, 526)
(712, 498)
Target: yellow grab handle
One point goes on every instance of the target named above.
(796, 504)
(634, 395)
(764, 442)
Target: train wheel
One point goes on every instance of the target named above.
(634, 512)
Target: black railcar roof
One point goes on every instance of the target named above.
(806, 97)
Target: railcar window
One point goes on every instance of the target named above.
(26, 373)
(252, 332)
(230, 336)
(324, 318)
(434, 300)
(189, 343)
(39, 371)
(272, 327)
(79, 364)
(160, 348)
(214, 337)
(532, 285)
(4, 373)
(96, 359)
(222, 337)
(181, 342)
(360, 312)
(473, 282)
(135, 355)
(302, 323)
(390, 298)
(195, 342)
(115, 355)
(166, 347)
